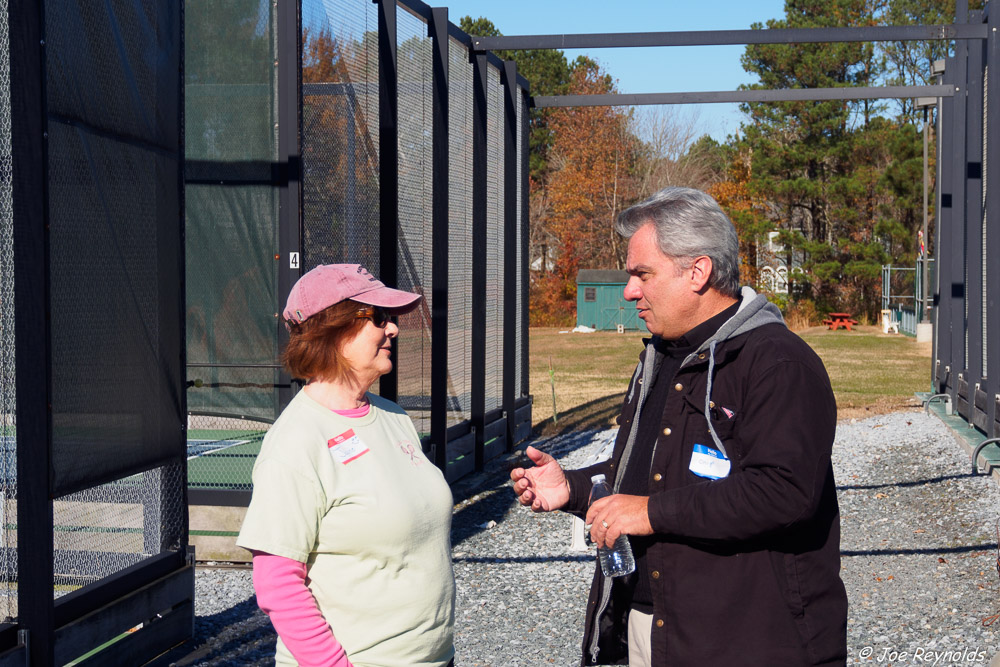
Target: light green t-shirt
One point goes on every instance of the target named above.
(359, 503)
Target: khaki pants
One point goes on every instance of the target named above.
(640, 627)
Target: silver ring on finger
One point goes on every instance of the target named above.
(604, 523)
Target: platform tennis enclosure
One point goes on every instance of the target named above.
(347, 131)
(601, 304)
(123, 149)
(966, 288)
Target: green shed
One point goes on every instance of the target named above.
(600, 301)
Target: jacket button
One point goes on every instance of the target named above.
(701, 356)
(667, 431)
(657, 477)
(711, 404)
(678, 386)
(640, 380)
(655, 574)
(659, 622)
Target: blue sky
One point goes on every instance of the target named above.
(644, 70)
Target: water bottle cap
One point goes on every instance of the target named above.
(597, 479)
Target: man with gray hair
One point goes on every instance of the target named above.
(721, 470)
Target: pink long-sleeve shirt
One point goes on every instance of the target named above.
(280, 584)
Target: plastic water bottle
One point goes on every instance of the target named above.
(616, 561)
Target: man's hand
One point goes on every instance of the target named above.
(610, 518)
(544, 488)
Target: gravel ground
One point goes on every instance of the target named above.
(918, 545)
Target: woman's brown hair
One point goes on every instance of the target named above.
(313, 349)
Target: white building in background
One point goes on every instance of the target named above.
(773, 267)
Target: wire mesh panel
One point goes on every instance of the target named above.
(460, 74)
(494, 241)
(112, 156)
(8, 409)
(110, 527)
(340, 127)
(415, 242)
(222, 450)
(231, 207)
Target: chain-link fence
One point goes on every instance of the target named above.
(8, 408)
(91, 388)
(357, 197)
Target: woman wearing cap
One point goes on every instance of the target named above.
(349, 522)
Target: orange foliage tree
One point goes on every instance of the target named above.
(593, 160)
(747, 210)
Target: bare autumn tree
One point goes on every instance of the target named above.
(666, 159)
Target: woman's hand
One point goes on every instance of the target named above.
(544, 488)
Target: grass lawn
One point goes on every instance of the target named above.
(871, 372)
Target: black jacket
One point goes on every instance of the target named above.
(745, 570)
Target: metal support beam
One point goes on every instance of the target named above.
(973, 195)
(958, 228)
(993, 225)
(479, 256)
(438, 31)
(732, 96)
(289, 120)
(944, 372)
(511, 172)
(724, 37)
(32, 329)
(388, 142)
(525, 237)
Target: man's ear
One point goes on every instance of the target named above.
(699, 273)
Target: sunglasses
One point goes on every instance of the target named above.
(378, 315)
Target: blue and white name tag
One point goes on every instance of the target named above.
(708, 462)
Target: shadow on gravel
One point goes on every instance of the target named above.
(239, 612)
(595, 415)
(491, 488)
(205, 646)
(582, 558)
(917, 552)
(918, 482)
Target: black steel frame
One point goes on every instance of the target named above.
(512, 421)
(957, 30)
(157, 591)
(960, 311)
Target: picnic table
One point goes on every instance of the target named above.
(837, 320)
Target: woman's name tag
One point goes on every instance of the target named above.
(709, 463)
(346, 447)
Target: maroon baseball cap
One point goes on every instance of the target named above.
(328, 284)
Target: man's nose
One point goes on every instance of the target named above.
(632, 290)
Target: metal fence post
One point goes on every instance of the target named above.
(524, 389)
(993, 226)
(973, 173)
(290, 255)
(945, 364)
(510, 250)
(479, 211)
(32, 330)
(438, 30)
(388, 173)
(957, 231)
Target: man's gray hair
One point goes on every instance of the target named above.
(688, 224)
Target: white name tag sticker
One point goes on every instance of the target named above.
(346, 447)
(709, 463)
